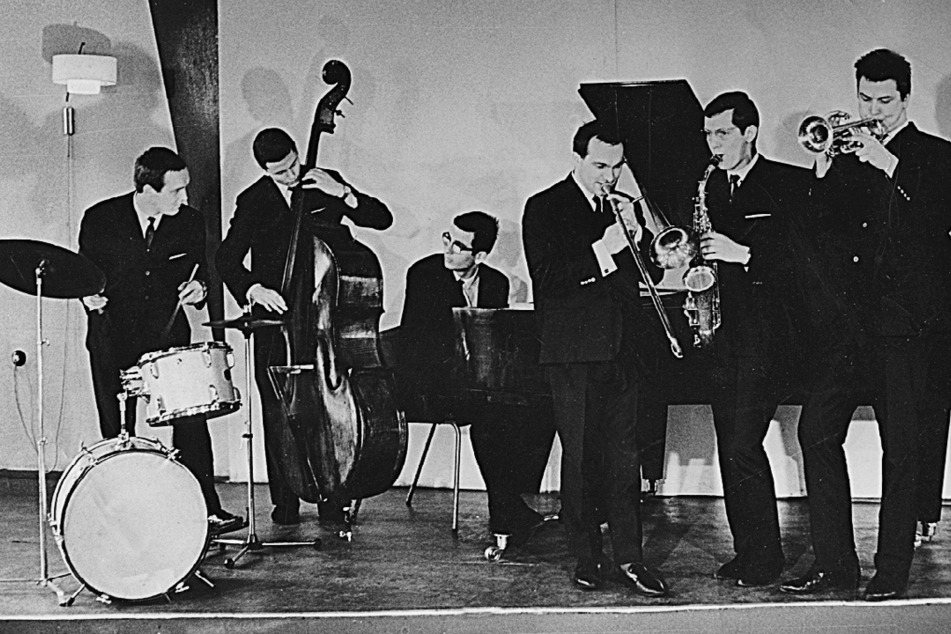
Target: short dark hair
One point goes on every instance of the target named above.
(152, 165)
(744, 110)
(882, 65)
(597, 129)
(272, 145)
(484, 226)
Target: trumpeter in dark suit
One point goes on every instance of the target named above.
(510, 450)
(262, 225)
(883, 223)
(147, 242)
(594, 334)
(751, 201)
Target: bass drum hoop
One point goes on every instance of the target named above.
(111, 454)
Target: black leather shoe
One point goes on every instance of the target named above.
(731, 570)
(822, 581)
(222, 521)
(883, 587)
(589, 575)
(642, 580)
(285, 516)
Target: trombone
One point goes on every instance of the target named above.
(671, 238)
(832, 134)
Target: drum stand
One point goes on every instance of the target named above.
(44, 580)
(251, 542)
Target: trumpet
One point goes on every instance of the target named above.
(832, 134)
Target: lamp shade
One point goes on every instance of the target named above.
(84, 74)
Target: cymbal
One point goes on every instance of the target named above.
(65, 273)
(244, 322)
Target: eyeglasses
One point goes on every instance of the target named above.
(454, 245)
(721, 134)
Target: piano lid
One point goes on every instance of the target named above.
(661, 123)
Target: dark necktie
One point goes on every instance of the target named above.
(598, 203)
(150, 233)
(734, 185)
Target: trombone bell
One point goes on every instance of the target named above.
(672, 248)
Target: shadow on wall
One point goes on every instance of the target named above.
(942, 106)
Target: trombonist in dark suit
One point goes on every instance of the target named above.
(884, 225)
(262, 225)
(593, 332)
(751, 202)
(510, 450)
(147, 243)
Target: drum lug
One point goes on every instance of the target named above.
(153, 368)
(160, 405)
(104, 598)
(206, 355)
(230, 358)
(213, 394)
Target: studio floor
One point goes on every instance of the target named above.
(406, 571)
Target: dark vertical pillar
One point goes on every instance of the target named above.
(187, 35)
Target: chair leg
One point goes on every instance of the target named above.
(419, 468)
(455, 478)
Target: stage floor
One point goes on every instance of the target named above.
(405, 563)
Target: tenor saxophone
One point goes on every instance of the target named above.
(702, 306)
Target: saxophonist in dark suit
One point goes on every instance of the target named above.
(751, 201)
(883, 223)
(594, 334)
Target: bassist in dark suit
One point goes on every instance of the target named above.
(262, 225)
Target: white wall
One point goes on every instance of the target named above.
(457, 106)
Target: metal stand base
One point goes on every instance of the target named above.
(251, 543)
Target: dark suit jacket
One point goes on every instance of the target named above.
(582, 315)
(886, 239)
(758, 301)
(141, 286)
(263, 223)
(432, 291)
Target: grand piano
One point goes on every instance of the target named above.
(494, 367)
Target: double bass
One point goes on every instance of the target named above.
(342, 436)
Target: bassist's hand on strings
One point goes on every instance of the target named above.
(268, 298)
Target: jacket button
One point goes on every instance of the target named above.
(147, 273)
(855, 258)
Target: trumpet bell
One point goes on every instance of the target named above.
(699, 278)
(815, 134)
(672, 248)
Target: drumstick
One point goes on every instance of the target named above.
(178, 306)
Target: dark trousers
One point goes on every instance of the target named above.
(189, 435)
(511, 446)
(934, 417)
(268, 349)
(595, 407)
(900, 370)
(742, 411)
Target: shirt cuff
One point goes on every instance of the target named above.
(605, 260)
(892, 166)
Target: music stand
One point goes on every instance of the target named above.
(24, 266)
(246, 324)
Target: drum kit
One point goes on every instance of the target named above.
(129, 519)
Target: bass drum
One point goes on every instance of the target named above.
(129, 519)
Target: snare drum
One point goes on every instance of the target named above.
(129, 519)
(190, 381)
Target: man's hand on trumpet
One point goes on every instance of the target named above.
(871, 150)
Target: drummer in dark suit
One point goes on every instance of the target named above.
(147, 243)
(883, 224)
(593, 334)
(262, 226)
(751, 202)
(510, 451)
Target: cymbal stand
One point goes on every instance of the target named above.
(44, 580)
(251, 542)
